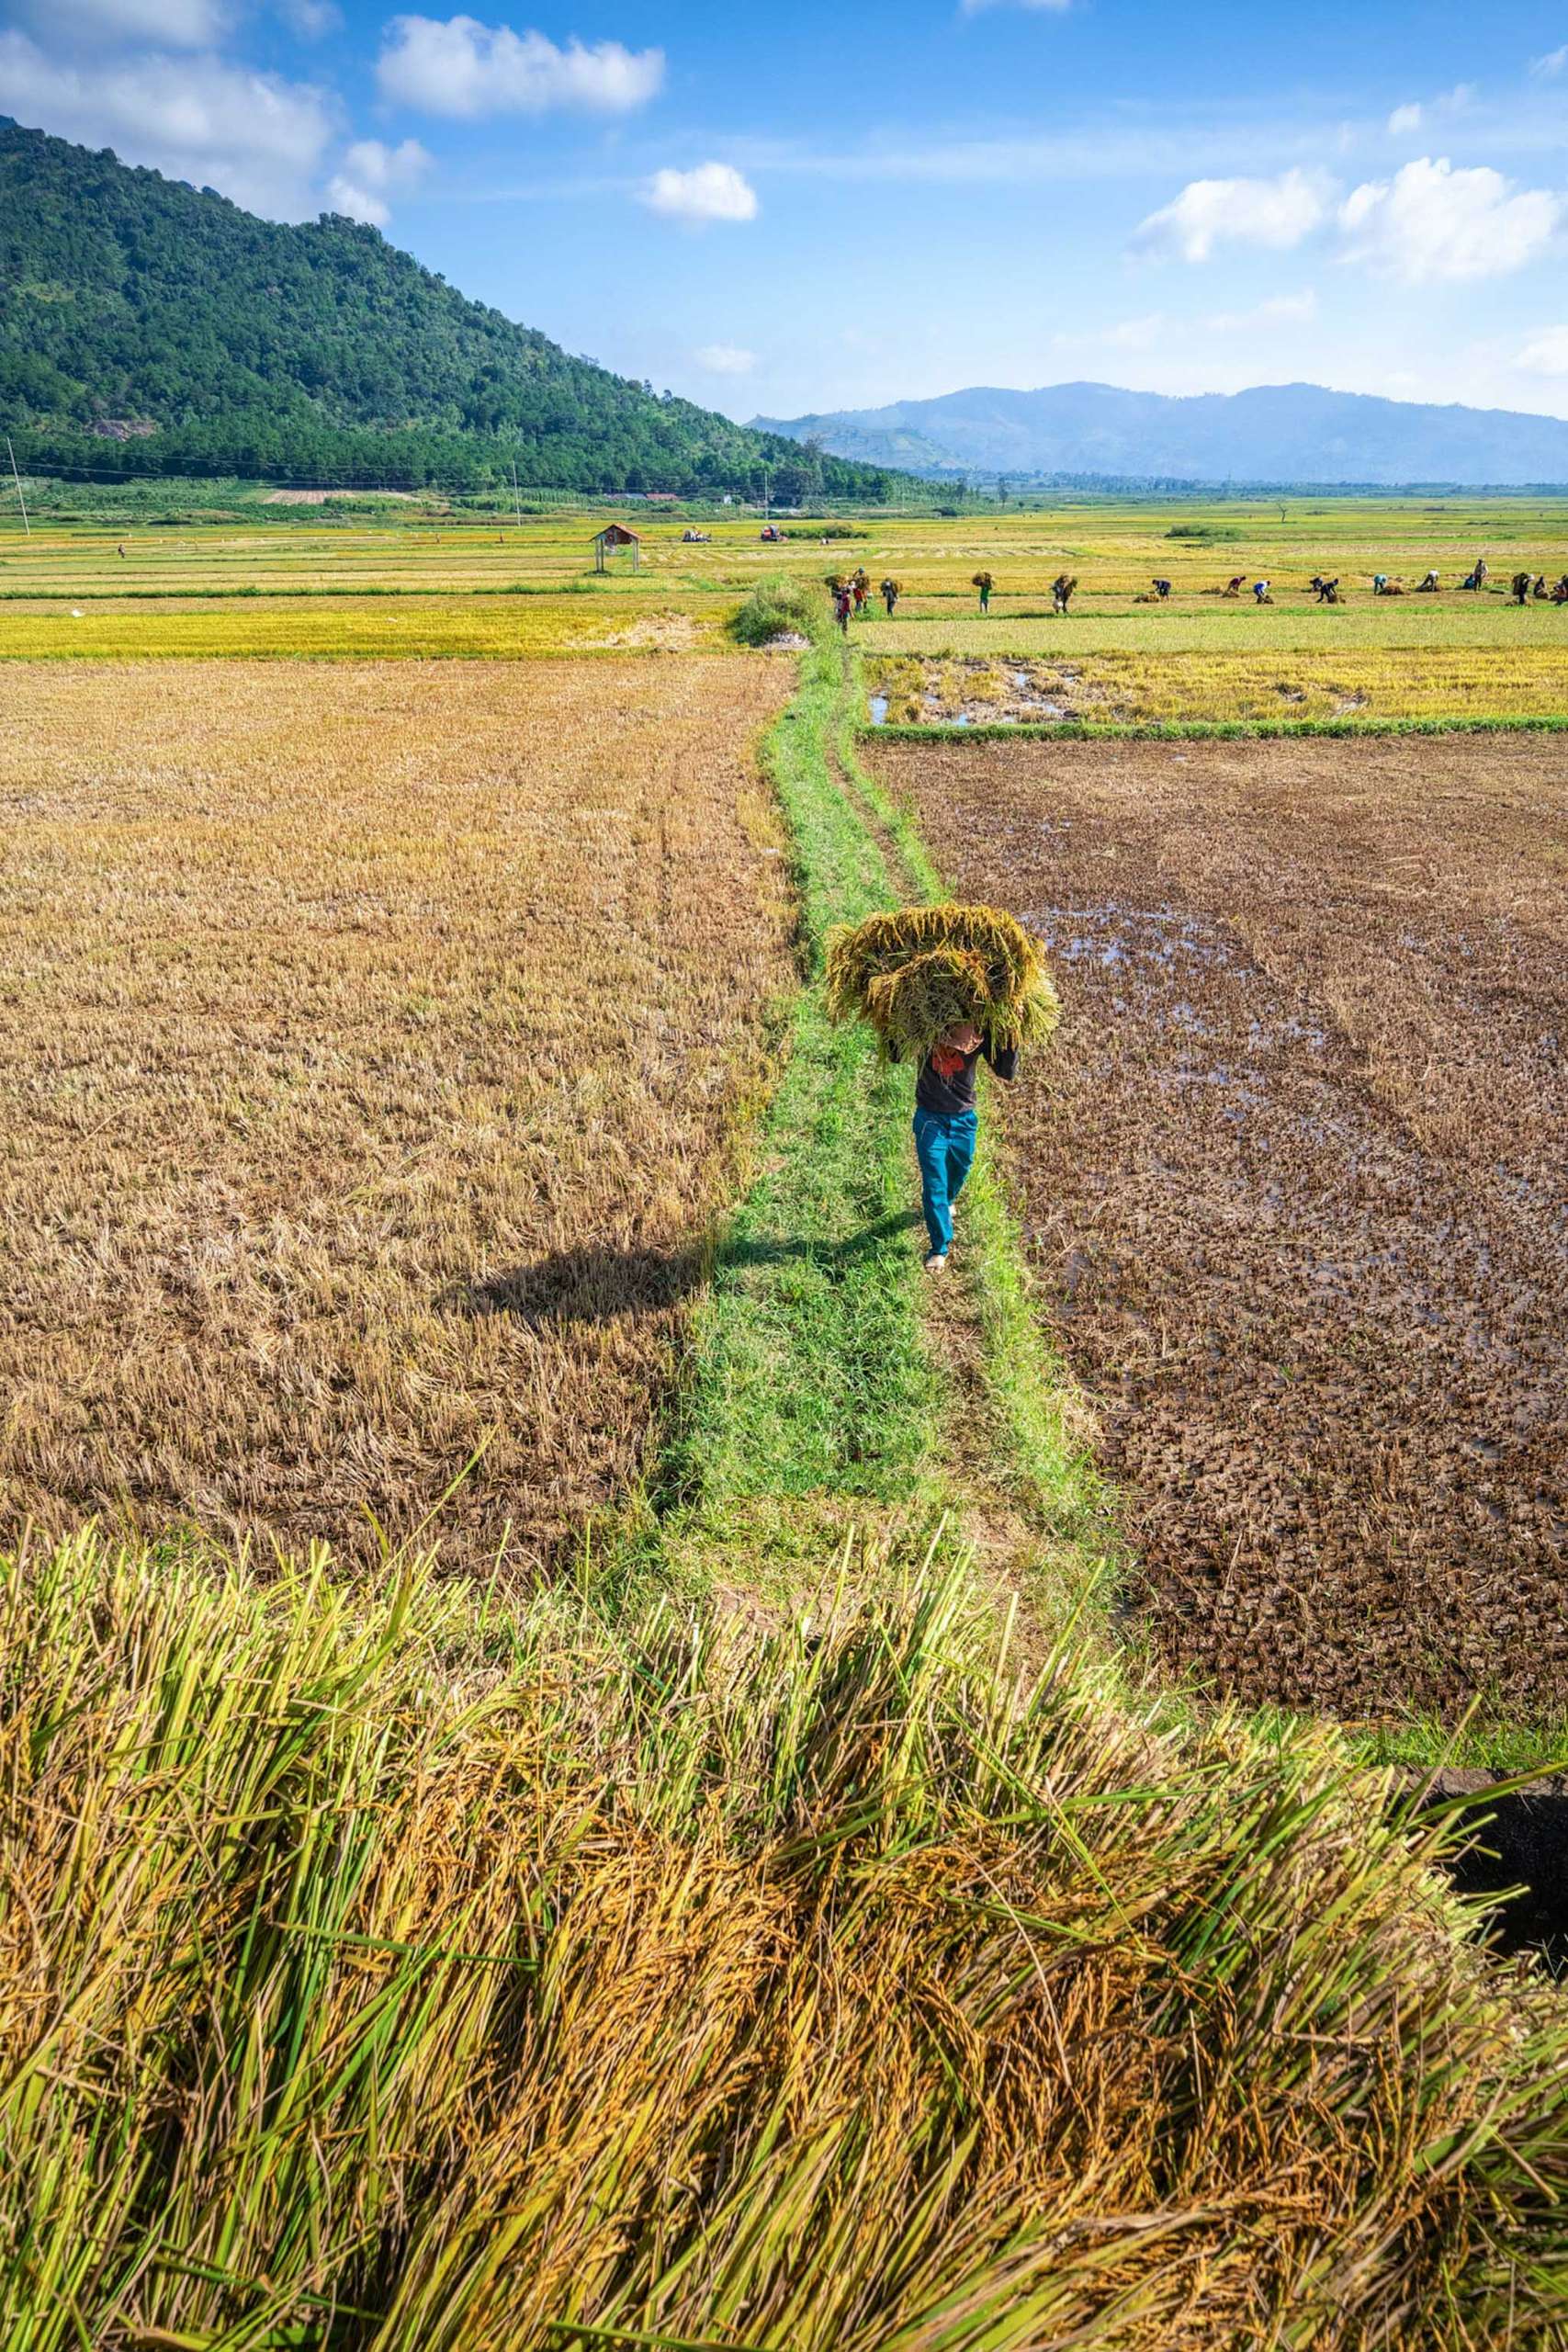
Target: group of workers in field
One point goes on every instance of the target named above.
(851, 595)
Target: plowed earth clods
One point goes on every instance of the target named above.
(1296, 1185)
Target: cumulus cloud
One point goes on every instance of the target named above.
(458, 66)
(1404, 119)
(370, 173)
(1276, 214)
(707, 192)
(1430, 222)
(726, 359)
(172, 24)
(1546, 353)
(252, 135)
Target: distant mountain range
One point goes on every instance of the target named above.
(1276, 433)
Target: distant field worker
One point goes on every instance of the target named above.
(1429, 586)
(891, 591)
(984, 581)
(1162, 588)
(1260, 593)
(843, 605)
(1522, 585)
(947, 1126)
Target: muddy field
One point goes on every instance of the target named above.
(1297, 1187)
(369, 1038)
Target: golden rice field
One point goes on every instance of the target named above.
(348, 629)
(423, 583)
(1528, 682)
(370, 1040)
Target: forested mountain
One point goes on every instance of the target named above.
(145, 324)
(1275, 433)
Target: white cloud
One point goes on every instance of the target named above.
(172, 24)
(708, 192)
(1546, 353)
(1459, 100)
(370, 173)
(458, 66)
(1277, 213)
(1430, 222)
(1546, 68)
(726, 359)
(254, 136)
(311, 19)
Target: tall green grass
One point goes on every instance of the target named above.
(407, 1973)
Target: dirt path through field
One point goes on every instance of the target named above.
(1298, 1189)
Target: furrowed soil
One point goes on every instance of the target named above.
(372, 1037)
(1296, 1187)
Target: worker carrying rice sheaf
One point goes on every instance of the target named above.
(891, 591)
(946, 988)
(1522, 582)
(984, 581)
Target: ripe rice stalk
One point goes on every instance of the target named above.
(395, 1972)
(920, 970)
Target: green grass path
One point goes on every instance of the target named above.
(817, 1388)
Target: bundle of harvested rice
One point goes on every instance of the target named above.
(922, 970)
(981, 580)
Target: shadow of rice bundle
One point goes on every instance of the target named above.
(922, 970)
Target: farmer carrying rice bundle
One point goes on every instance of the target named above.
(946, 988)
(891, 591)
(984, 581)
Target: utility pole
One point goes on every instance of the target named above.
(766, 495)
(516, 495)
(16, 478)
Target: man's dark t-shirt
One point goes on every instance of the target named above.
(951, 1092)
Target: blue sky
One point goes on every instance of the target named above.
(835, 206)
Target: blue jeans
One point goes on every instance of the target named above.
(944, 1148)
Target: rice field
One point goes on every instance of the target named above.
(695, 1902)
(346, 629)
(1529, 681)
(427, 582)
(372, 1039)
(1295, 1189)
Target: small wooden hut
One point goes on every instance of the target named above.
(613, 535)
